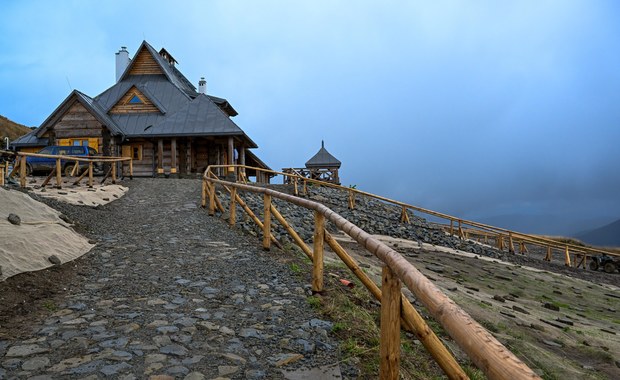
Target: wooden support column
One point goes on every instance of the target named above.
(188, 155)
(317, 254)
(231, 155)
(267, 222)
(242, 159)
(160, 157)
(566, 257)
(390, 326)
(58, 174)
(233, 206)
(173, 156)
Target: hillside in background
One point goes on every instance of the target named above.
(11, 129)
(606, 236)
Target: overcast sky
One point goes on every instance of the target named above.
(475, 108)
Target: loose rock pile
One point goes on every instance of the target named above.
(371, 215)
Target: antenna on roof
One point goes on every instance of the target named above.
(322, 144)
(69, 83)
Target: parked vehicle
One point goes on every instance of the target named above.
(45, 164)
(608, 263)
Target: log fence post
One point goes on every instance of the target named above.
(317, 253)
(131, 168)
(566, 257)
(203, 197)
(233, 206)
(548, 256)
(212, 199)
(58, 174)
(267, 222)
(114, 172)
(390, 326)
(296, 190)
(22, 172)
(511, 247)
(305, 188)
(451, 226)
(90, 174)
(2, 175)
(461, 234)
(404, 217)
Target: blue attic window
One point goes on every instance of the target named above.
(135, 100)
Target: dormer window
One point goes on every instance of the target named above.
(135, 100)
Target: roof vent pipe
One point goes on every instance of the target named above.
(122, 61)
(202, 86)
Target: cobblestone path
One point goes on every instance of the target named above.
(169, 292)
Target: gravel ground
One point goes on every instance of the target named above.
(167, 290)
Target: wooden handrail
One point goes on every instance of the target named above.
(484, 350)
(533, 239)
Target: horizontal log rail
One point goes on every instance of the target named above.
(21, 167)
(486, 352)
(545, 243)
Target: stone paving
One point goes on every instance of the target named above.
(169, 292)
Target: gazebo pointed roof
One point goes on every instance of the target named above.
(323, 159)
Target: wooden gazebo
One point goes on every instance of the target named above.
(323, 166)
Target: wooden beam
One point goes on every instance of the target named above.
(317, 253)
(389, 364)
(267, 222)
(298, 240)
(113, 171)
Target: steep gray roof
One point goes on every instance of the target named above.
(200, 117)
(29, 139)
(323, 159)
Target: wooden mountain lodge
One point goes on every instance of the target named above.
(323, 166)
(154, 115)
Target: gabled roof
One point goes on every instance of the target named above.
(200, 117)
(89, 103)
(171, 72)
(29, 139)
(323, 159)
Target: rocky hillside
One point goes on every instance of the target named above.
(11, 129)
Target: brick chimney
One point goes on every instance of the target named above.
(122, 61)
(202, 86)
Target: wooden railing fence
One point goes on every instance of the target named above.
(20, 168)
(486, 352)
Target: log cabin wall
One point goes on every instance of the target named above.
(77, 124)
(143, 153)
